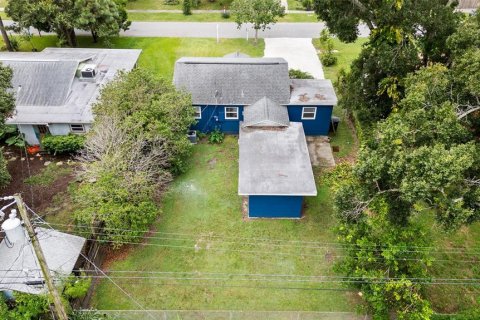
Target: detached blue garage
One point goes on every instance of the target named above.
(275, 172)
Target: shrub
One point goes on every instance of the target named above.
(225, 14)
(328, 59)
(324, 36)
(63, 144)
(216, 136)
(299, 74)
(187, 7)
(307, 4)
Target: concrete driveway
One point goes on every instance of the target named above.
(299, 53)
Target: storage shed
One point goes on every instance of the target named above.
(275, 172)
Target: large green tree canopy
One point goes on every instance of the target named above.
(405, 35)
(103, 18)
(7, 105)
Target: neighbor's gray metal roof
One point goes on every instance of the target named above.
(312, 92)
(265, 113)
(275, 162)
(50, 92)
(19, 264)
(233, 81)
(42, 83)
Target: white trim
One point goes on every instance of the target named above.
(77, 131)
(231, 118)
(198, 109)
(314, 113)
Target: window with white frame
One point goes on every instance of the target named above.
(77, 128)
(231, 113)
(309, 113)
(198, 112)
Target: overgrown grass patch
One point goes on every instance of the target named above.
(201, 230)
(48, 175)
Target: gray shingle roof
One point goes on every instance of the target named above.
(275, 162)
(42, 83)
(265, 113)
(233, 81)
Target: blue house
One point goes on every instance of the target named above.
(222, 87)
(271, 113)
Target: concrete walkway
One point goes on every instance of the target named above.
(299, 53)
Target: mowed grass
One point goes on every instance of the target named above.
(202, 222)
(160, 54)
(346, 53)
(209, 17)
(160, 5)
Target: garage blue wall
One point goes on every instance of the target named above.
(208, 122)
(316, 127)
(275, 206)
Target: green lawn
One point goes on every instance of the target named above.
(295, 5)
(160, 5)
(159, 54)
(347, 52)
(202, 209)
(210, 17)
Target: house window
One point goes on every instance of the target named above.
(309, 113)
(77, 128)
(198, 112)
(231, 113)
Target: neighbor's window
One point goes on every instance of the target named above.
(309, 113)
(77, 128)
(231, 112)
(198, 112)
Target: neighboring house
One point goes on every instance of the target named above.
(56, 88)
(19, 262)
(222, 87)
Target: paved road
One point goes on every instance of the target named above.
(299, 53)
(225, 30)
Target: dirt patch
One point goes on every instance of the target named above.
(22, 166)
(212, 163)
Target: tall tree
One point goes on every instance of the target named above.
(260, 13)
(5, 37)
(405, 35)
(7, 105)
(104, 18)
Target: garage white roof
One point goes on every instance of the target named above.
(275, 162)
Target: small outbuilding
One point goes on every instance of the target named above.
(275, 172)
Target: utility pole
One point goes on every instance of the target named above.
(59, 309)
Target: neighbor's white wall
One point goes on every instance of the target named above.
(59, 129)
(29, 133)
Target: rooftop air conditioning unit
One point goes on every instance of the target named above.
(89, 71)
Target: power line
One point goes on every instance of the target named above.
(319, 256)
(100, 270)
(338, 244)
